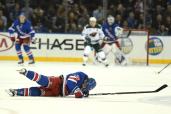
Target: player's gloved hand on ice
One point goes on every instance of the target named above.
(85, 92)
(22, 71)
(88, 40)
(78, 93)
(33, 40)
(12, 39)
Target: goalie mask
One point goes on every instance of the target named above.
(110, 19)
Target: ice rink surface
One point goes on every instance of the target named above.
(111, 79)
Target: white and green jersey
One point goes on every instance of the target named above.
(94, 33)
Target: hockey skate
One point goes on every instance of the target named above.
(11, 92)
(31, 61)
(84, 63)
(97, 60)
(102, 61)
(106, 65)
(22, 71)
(20, 61)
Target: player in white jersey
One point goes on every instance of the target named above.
(93, 34)
(112, 32)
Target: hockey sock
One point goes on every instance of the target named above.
(40, 79)
(27, 50)
(18, 49)
(85, 58)
(22, 92)
(33, 91)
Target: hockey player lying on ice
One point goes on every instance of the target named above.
(78, 84)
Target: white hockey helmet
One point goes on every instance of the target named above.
(92, 19)
(110, 19)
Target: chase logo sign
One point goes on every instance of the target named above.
(5, 43)
(155, 46)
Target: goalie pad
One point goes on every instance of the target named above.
(120, 59)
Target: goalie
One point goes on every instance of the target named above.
(77, 83)
(112, 32)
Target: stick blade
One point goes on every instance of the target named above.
(161, 88)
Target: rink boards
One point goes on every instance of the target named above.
(69, 48)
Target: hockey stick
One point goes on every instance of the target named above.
(134, 92)
(127, 35)
(124, 37)
(163, 68)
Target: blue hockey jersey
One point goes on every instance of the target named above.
(23, 30)
(75, 81)
(109, 31)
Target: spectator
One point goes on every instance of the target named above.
(163, 3)
(28, 10)
(140, 22)
(4, 20)
(168, 11)
(168, 24)
(15, 12)
(2, 7)
(119, 19)
(98, 14)
(158, 22)
(139, 6)
(162, 30)
(112, 10)
(121, 10)
(1, 25)
(132, 22)
(50, 16)
(168, 2)
(125, 24)
(72, 23)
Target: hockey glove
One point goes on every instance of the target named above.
(105, 38)
(12, 39)
(85, 92)
(78, 93)
(33, 40)
(88, 40)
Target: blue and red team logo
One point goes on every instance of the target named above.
(5, 43)
(155, 46)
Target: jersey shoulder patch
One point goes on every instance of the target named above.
(74, 78)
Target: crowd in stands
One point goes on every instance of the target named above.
(49, 16)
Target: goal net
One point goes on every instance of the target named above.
(135, 46)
